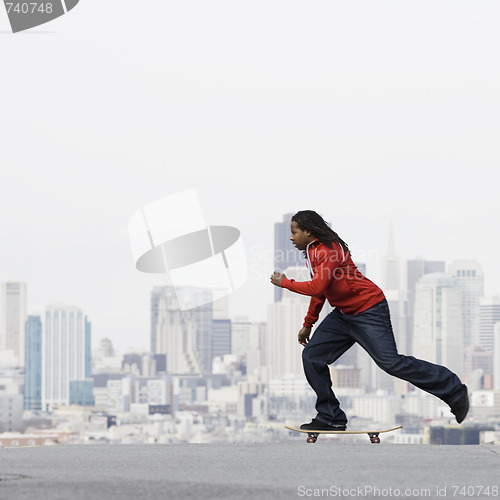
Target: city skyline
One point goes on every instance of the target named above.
(469, 309)
(449, 269)
(257, 376)
(450, 315)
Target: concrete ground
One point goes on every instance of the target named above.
(275, 471)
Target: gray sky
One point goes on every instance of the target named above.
(364, 111)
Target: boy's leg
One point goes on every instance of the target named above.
(328, 342)
(372, 329)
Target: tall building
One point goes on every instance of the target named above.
(66, 355)
(13, 318)
(221, 337)
(396, 297)
(240, 336)
(106, 349)
(122, 393)
(285, 255)
(256, 357)
(391, 276)
(372, 377)
(470, 281)
(489, 314)
(33, 364)
(185, 337)
(415, 269)
(438, 328)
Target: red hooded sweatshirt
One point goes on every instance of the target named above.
(334, 277)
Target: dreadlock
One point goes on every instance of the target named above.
(309, 220)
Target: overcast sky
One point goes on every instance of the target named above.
(364, 111)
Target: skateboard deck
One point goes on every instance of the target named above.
(313, 435)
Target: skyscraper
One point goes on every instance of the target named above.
(13, 318)
(438, 336)
(415, 269)
(221, 337)
(66, 354)
(184, 336)
(285, 255)
(489, 314)
(240, 336)
(469, 276)
(391, 279)
(33, 364)
(256, 357)
(396, 297)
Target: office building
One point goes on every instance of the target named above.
(285, 254)
(391, 275)
(396, 297)
(185, 337)
(221, 337)
(470, 282)
(66, 355)
(438, 329)
(256, 357)
(11, 412)
(415, 269)
(33, 364)
(12, 319)
(81, 392)
(489, 314)
(240, 336)
(121, 394)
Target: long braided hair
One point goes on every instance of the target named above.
(309, 220)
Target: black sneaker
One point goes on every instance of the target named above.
(461, 408)
(317, 425)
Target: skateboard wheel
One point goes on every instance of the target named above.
(375, 439)
(312, 438)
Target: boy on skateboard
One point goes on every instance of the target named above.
(361, 315)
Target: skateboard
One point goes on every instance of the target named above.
(313, 435)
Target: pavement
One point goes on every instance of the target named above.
(284, 470)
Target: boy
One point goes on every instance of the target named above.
(361, 315)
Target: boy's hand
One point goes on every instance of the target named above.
(277, 278)
(304, 335)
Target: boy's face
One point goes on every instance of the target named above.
(300, 238)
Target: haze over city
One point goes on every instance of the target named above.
(363, 112)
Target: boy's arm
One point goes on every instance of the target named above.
(315, 307)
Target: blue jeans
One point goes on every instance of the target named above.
(371, 329)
